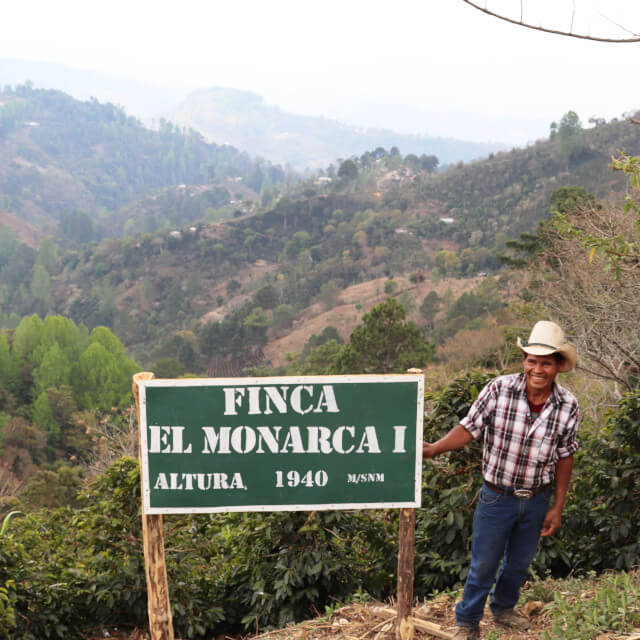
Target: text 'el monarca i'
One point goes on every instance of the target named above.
(245, 439)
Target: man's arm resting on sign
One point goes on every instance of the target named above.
(456, 438)
(553, 518)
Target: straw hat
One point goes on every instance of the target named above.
(547, 338)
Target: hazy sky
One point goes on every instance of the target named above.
(418, 66)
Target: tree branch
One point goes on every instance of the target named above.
(624, 351)
(603, 376)
(547, 30)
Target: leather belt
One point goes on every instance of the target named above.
(522, 494)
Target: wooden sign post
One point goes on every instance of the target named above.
(406, 546)
(159, 608)
(406, 574)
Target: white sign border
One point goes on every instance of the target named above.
(218, 382)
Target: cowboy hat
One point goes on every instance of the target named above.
(547, 338)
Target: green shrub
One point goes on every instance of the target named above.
(602, 516)
(615, 606)
(281, 567)
(67, 571)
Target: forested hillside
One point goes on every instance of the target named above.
(206, 295)
(58, 155)
(414, 255)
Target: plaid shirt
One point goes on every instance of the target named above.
(517, 451)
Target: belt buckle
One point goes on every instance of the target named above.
(523, 494)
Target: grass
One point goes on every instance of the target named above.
(585, 608)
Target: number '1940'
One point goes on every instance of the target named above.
(296, 478)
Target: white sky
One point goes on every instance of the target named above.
(417, 66)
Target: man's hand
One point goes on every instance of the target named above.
(456, 438)
(429, 450)
(551, 522)
(554, 516)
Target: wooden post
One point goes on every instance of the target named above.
(158, 606)
(406, 547)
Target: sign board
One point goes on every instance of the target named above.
(281, 444)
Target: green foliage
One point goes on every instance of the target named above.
(283, 316)
(470, 310)
(266, 297)
(614, 607)
(430, 306)
(233, 286)
(8, 371)
(6, 520)
(51, 369)
(602, 520)
(384, 343)
(620, 253)
(348, 171)
(75, 227)
(7, 611)
(329, 293)
(567, 198)
(520, 251)
(168, 368)
(448, 262)
(100, 380)
(570, 146)
(322, 359)
(53, 489)
(72, 570)
(307, 561)
(390, 286)
(69, 571)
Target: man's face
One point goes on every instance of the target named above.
(540, 372)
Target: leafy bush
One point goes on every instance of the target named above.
(64, 572)
(602, 517)
(285, 566)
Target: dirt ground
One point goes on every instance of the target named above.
(376, 621)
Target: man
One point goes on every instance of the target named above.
(529, 423)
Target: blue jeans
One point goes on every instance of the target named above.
(506, 531)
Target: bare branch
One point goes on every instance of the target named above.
(520, 23)
(616, 24)
(624, 351)
(599, 374)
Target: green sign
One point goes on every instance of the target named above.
(281, 444)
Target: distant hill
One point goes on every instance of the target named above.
(239, 118)
(242, 119)
(58, 154)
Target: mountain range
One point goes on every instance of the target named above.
(244, 120)
(239, 118)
